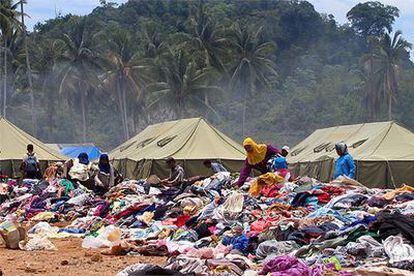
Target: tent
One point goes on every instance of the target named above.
(73, 150)
(383, 153)
(13, 143)
(190, 141)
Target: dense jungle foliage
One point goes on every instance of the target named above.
(272, 69)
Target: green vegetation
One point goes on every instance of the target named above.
(275, 70)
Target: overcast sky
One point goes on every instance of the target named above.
(40, 10)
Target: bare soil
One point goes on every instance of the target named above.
(69, 259)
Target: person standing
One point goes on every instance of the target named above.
(344, 165)
(257, 156)
(30, 165)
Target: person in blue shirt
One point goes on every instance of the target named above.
(344, 165)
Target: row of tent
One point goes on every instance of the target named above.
(383, 152)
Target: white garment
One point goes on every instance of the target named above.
(398, 250)
(79, 171)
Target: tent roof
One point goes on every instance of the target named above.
(13, 143)
(183, 139)
(369, 142)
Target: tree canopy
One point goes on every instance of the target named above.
(275, 70)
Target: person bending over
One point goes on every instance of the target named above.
(176, 177)
(257, 156)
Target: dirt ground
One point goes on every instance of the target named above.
(70, 259)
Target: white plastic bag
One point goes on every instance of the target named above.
(37, 243)
(107, 238)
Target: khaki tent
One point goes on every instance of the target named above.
(383, 153)
(13, 143)
(189, 140)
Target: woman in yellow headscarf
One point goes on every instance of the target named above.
(257, 156)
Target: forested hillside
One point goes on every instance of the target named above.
(275, 70)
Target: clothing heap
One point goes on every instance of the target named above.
(211, 226)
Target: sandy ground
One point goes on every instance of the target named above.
(70, 259)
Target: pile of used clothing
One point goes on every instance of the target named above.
(210, 226)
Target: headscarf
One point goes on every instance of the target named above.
(341, 148)
(104, 163)
(83, 158)
(258, 152)
(286, 148)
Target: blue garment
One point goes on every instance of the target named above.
(345, 165)
(279, 163)
(238, 242)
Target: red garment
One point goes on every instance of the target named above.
(333, 190)
(324, 197)
(270, 191)
(181, 220)
(130, 210)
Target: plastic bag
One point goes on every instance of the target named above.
(44, 229)
(110, 236)
(37, 243)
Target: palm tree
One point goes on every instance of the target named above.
(28, 70)
(8, 23)
(206, 37)
(370, 81)
(45, 80)
(253, 68)
(79, 64)
(389, 53)
(125, 73)
(184, 84)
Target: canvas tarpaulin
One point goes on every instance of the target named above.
(13, 144)
(73, 150)
(383, 153)
(190, 141)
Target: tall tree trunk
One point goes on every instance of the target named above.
(125, 107)
(244, 113)
(83, 115)
(121, 106)
(50, 110)
(5, 79)
(390, 108)
(207, 104)
(29, 74)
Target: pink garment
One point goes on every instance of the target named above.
(221, 250)
(201, 253)
(285, 173)
(169, 221)
(259, 225)
(287, 266)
